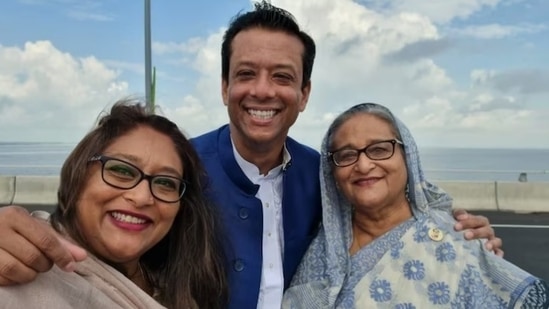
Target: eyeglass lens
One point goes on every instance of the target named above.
(121, 175)
(377, 151)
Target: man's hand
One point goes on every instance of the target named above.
(29, 246)
(477, 227)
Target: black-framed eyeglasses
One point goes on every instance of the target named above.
(124, 175)
(378, 151)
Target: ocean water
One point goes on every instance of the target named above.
(438, 163)
(33, 158)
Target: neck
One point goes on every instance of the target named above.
(370, 224)
(265, 156)
(137, 275)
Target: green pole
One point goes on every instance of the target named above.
(148, 83)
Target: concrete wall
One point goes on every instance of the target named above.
(523, 197)
(472, 195)
(40, 192)
(520, 197)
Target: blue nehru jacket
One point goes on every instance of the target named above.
(242, 216)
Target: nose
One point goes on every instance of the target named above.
(263, 87)
(364, 164)
(140, 195)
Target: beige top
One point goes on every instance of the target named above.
(93, 284)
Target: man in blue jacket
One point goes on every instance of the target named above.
(264, 183)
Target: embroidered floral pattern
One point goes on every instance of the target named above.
(439, 293)
(405, 306)
(421, 234)
(474, 293)
(380, 291)
(445, 253)
(395, 250)
(414, 270)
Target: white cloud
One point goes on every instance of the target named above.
(202, 110)
(48, 94)
(439, 12)
(497, 31)
(76, 9)
(137, 68)
(380, 53)
(354, 44)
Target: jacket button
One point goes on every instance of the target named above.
(238, 265)
(243, 213)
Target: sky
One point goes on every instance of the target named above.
(459, 73)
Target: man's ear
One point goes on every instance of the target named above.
(224, 91)
(305, 91)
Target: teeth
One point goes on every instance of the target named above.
(127, 218)
(262, 114)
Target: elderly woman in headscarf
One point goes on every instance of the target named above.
(387, 237)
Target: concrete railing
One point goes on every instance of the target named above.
(521, 197)
(29, 190)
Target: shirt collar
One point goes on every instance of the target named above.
(252, 172)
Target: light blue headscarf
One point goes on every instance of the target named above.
(328, 274)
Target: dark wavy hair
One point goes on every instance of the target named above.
(268, 16)
(186, 266)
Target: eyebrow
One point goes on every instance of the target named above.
(135, 160)
(288, 66)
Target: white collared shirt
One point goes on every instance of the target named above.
(270, 194)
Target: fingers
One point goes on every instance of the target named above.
(459, 212)
(20, 250)
(495, 245)
(499, 252)
(78, 254)
(6, 282)
(51, 246)
(13, 271)
(484, 232)
(460, 215)
(28, 246)
(479, 225)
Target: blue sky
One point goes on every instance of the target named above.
(460, 73)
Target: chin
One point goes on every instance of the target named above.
(124, 254)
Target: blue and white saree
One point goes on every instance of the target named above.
(422, 263)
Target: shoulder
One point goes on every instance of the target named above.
(52, 289)
(208, 142)
(208, 136)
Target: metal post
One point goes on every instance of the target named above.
(148, 74)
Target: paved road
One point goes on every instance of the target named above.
(525, 239)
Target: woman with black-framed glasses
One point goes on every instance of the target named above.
(131, 194)
(124, 175)
(387, 238)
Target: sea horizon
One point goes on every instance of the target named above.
(439, 163)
